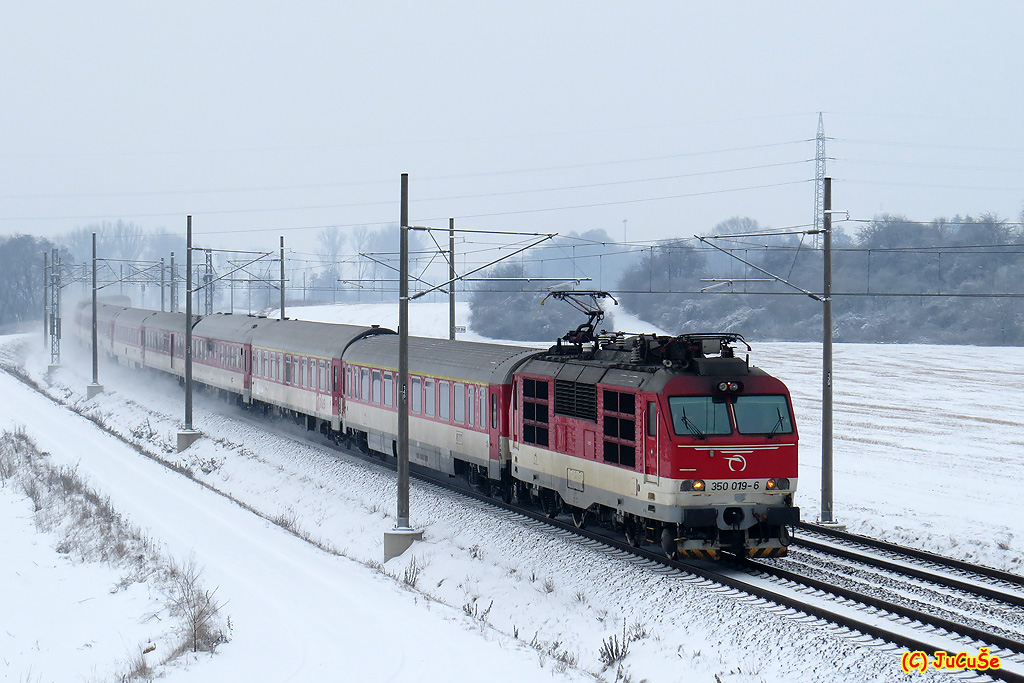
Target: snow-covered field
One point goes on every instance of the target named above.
(927, 451)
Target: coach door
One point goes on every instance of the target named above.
(652, 473)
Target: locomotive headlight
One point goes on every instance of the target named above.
(698, 485)
(729, 386)
(770, 484)
(692, 485)
(781, 484)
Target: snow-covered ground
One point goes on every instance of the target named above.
(926, 452)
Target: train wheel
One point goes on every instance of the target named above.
(668, 543)
(632, 532)
(523, 496)
(484, 486)
(549, 503)
(580, 517)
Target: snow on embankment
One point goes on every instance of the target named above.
(512, 595)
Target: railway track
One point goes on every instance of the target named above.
(859, 612)
(931, 603)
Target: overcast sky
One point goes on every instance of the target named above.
(551, 116)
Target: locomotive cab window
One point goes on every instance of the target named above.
(762, 415)
(699, 416)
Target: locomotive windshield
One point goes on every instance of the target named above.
(699, 416)
(762, 415)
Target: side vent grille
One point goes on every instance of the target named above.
(576, 400)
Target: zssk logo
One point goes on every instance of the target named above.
(737, 463)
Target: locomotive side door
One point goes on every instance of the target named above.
(652, 471)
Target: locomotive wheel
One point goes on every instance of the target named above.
(580, 517)
(668, 544)
(632, 532)
(484, 486)
(523, 496)
(549, 503)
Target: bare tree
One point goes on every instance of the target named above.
(197, 607)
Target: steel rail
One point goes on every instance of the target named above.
(912, 552)
(939, 579)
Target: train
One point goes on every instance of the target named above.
(675, 441)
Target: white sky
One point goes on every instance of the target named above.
(286, 117)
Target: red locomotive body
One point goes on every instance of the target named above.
(673, 438)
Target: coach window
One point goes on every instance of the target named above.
(483, 407)
(288, 369)
(417, 394)
(347, 389)
(429, 396)
(470, 403)
(444, 400)
(494, 411)
(375, 374)
(458, 403)
(364, 377)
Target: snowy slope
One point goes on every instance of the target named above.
(490, 595)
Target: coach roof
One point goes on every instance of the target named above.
(471, 361)
(227, 327)
(324, 340)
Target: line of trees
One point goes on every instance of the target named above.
(886, 258)
(21, 279)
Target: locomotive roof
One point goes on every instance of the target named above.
(472, 361)
(591, 372)
(324, 340)
(648, 378)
